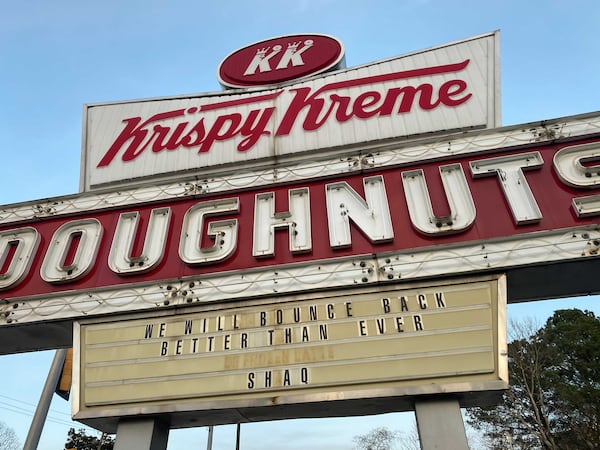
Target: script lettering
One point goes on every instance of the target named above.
(192, 128)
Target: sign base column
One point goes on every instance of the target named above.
(440, 425)
(150, 434)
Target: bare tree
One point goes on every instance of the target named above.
(384, 439)
(410, 440)
(381, 438)
(8, 438)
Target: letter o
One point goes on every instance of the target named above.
(54, 268)
(23, 244)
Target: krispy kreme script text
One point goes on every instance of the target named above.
(183, 129)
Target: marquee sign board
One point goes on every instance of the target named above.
(455, 206)
(228, 363)
(452, 87)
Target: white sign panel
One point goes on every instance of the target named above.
(445, 88)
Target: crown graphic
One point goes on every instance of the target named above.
(261, 52)
(293, 46)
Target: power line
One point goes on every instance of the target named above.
(29, 411)
(31, 404)
(6, 406)
(17, 410)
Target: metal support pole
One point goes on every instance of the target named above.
(440, 425)
(210, 438)
(41, 412)
(237, 437)
(147, 434)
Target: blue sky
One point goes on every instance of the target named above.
(56, 56)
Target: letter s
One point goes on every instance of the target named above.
(574, 167)
(572, 164)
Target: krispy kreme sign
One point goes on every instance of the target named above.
(439, 89)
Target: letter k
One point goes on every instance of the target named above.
(261, 62)
(293, 55)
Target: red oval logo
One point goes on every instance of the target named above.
(280, 59)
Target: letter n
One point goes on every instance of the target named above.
(371, 215)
